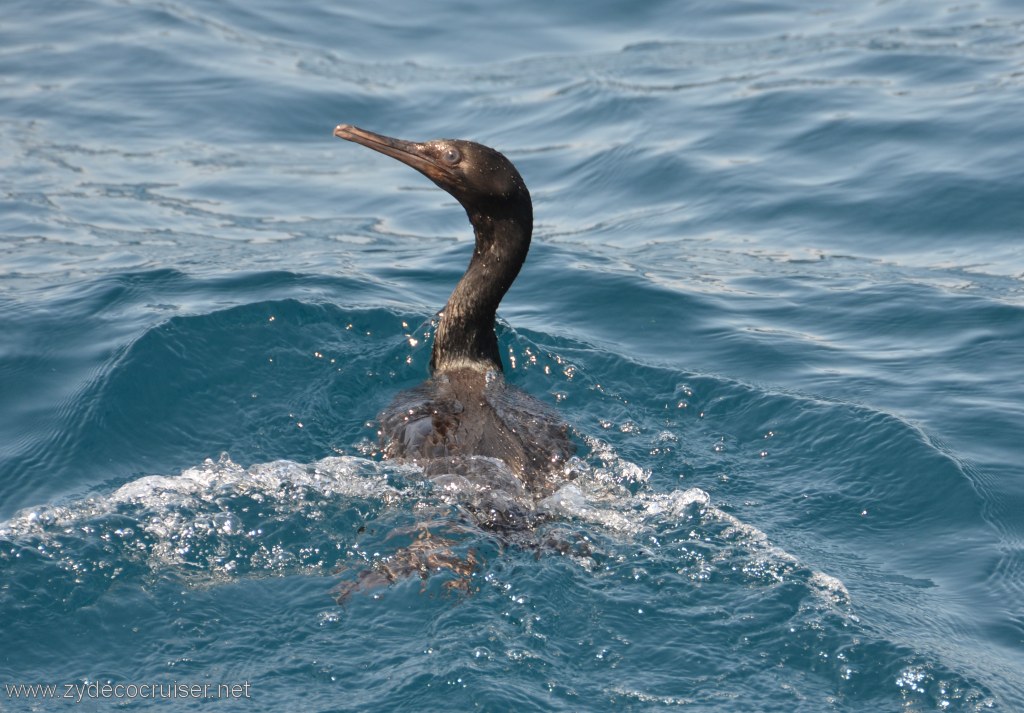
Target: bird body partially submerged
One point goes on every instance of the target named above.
(466, 409)
(466, 412)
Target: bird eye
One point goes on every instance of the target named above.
(451, 156)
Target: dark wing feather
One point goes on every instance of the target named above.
(468, 414)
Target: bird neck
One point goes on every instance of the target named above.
(465, 335)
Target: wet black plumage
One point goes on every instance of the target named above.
(466, 408)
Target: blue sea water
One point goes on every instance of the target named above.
(776, 286)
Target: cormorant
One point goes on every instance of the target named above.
(466, 410)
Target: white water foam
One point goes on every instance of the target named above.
(168, 519)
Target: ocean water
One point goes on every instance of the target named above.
(776, 286)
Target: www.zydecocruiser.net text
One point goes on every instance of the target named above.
(96, 690)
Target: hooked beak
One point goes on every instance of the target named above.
(408, 152)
